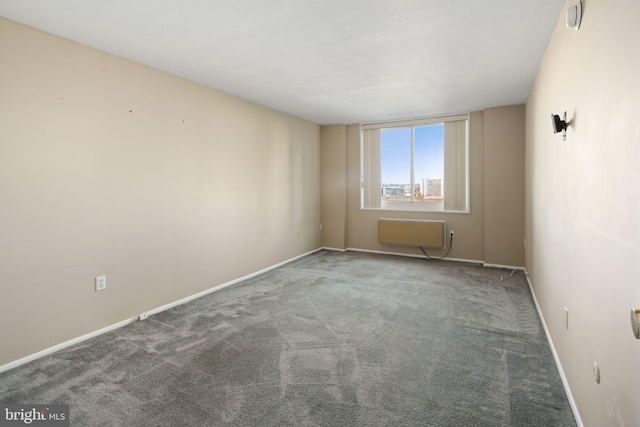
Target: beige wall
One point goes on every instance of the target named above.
(583, 204)
(334, 186)
(470, 229)
(504, 185)
(109, 167)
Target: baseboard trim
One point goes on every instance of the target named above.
(327, 248)
(225, 285)
(563, 377)
(61, 346)
(473, 261)
(65, 344)
(508, 267)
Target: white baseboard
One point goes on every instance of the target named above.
(334, 249)
(473, 261)
(65, 344)
(225, 285)
(125, 322)
(508, 267)
(563, 377)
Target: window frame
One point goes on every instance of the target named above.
(413, 206)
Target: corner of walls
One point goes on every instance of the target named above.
(334, 186)
(504, 185)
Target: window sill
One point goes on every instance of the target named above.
(424, 207)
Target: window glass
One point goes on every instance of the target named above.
(429, 166)
(395, 163)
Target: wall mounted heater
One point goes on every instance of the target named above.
(407, 232)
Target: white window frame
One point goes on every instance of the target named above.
(370, 167)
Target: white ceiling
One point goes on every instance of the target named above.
(328, 61)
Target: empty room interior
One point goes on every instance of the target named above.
(220, 213)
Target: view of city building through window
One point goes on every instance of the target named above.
(416, 160)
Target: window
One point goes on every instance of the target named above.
(417, 165)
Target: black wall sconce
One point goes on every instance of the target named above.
(560, 125)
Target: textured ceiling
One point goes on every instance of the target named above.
(329, 61)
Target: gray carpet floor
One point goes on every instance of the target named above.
(332, 339)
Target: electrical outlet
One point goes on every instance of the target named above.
(566, 318)
(320, 227)
(101, 283)
(451, 233)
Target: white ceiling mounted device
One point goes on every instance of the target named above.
(574, 16)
